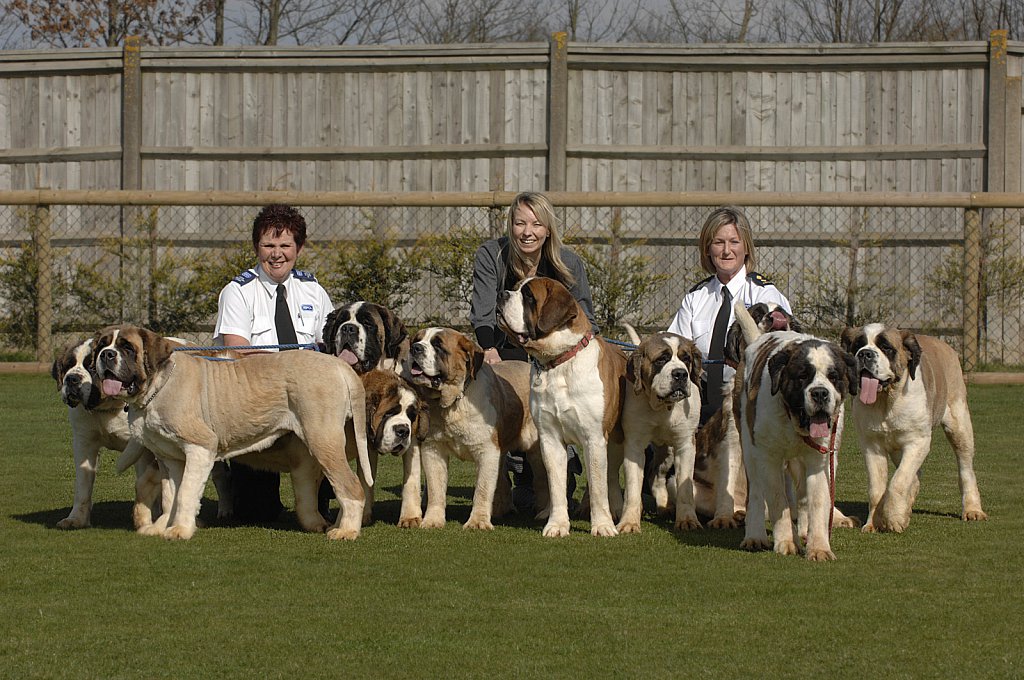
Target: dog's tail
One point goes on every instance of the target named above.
(131, 454)
(634, 337)
(357, 410)
(746, 323)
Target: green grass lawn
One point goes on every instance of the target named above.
(943, 600)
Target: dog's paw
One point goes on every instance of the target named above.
(755, 544)
(869, 528)
(72, 522)
(556, 529)
(603, 529)
(787, 548)
(820, 555)
(409, 522)
(478, 523)
(315, 527)
(727, 522)
(179, 533)
(974, 515)
(432, 522)
(688, 523)
(841, 521)
(150, 530)
(339, 534)
(628, 527)
(894, 525)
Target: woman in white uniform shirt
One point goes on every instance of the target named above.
(246, 316)
(727, 253)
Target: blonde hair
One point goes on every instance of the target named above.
(552, 248)
(723, 217)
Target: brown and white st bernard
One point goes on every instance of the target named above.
(662, 408)
(477, 413)
(908, 385)
(790, 407)
(191, 412)
(577, 388)
(100, 422)
(367, 336)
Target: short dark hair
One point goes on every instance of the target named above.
(277, 218)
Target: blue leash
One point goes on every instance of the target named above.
(221, 348)
(631, 346)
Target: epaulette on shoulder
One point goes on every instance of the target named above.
(244, 278)
(701, 283)
(758, 279)
(303, 276)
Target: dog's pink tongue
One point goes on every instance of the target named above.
(819, 429)
(779, 322)
(868, 390)
(349, 357)
(111, 388)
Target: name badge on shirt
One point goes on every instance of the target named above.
(307, 308)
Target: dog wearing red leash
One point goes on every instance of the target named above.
(790, 413)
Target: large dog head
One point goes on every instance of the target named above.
(884, 356)
(767, 317)
(541, 316)
(664, 365)
(442, 361)
(813, 377)
(394, 412)
(366, 336)
(127, 357)
(73, 371)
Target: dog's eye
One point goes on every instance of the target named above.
(660, 361)
(411, 413)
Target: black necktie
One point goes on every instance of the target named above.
(717, 352)
(283, 319)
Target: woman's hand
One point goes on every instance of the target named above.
(491, 356)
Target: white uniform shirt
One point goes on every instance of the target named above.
(246, 307)
(696, 316)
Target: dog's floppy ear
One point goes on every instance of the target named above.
(914, 350)
(157, 349)
(395, 333)
(848, 337)
(734, 346)
(476, 357)
(852, 374)
(422, 419)
(55, 370)
(634, 371)
(795, 325)
(776, 366)
(330, 328)
(559, 310)
(696, 364)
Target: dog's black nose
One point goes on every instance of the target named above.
(73, 380)
(503, 295)
(348, 331)
(819, 395)
(680, 374)
(108, 355)
(402, 432)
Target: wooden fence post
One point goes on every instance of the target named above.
(41, 228)
(558, 110)
(995, 142)
(131, 167)
(972, 283)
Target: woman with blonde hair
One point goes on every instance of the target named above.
(726, 247)
(531, 247)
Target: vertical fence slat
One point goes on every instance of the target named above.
(971, 295)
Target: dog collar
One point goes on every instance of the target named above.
(824, 450)
(561, 359)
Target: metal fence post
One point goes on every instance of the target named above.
(41, 228)
(972, 295)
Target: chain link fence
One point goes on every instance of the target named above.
(66, 269)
